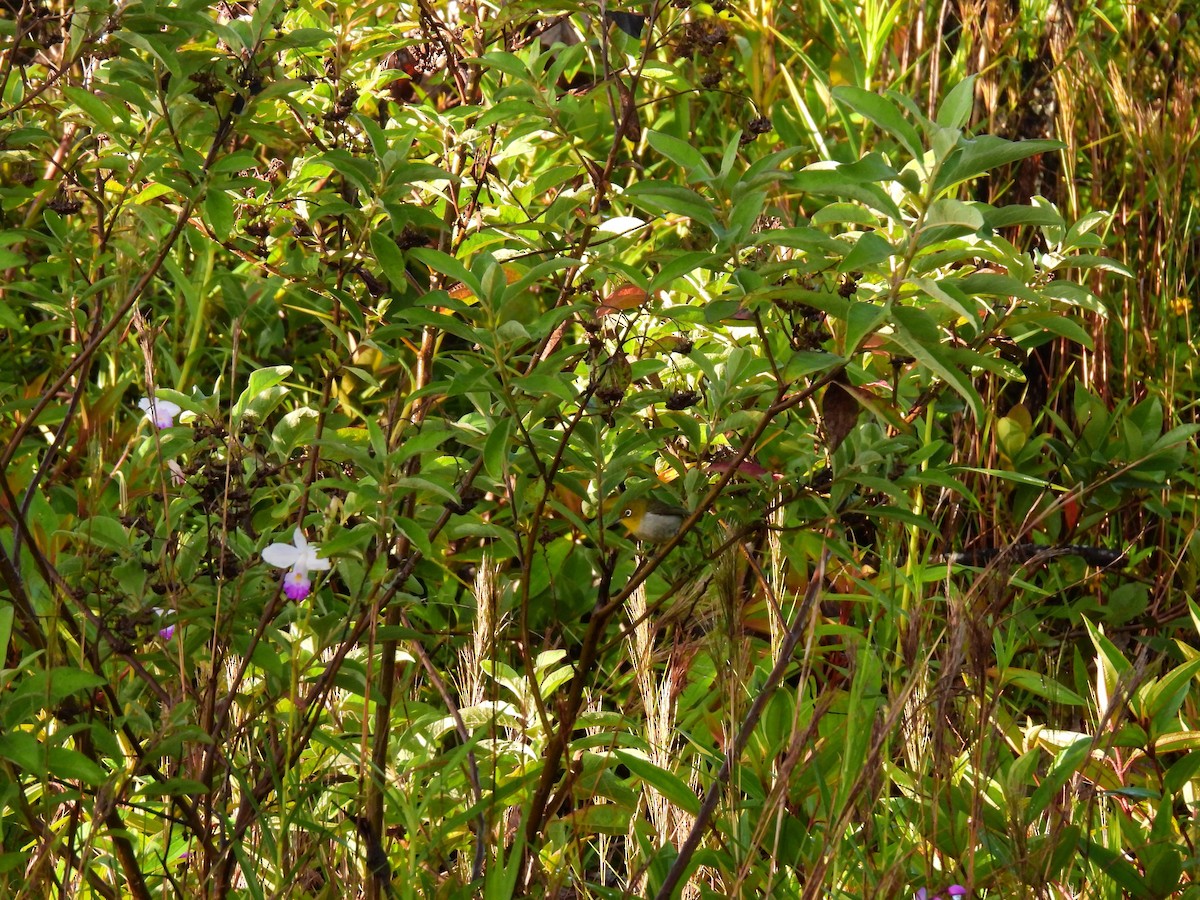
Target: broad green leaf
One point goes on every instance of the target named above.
(11, 260)
(845, 214)
(975, 156)
(1075, 295)
(495, 451)
(825, 180)
(1165, 695)
(1180, 742)
(1043, 686)
(500, 61)
(510, 110)
(1065, 765)
(259, 382)
(869, 251)
(1083, 227)
(997, 286)
(861, 320)
(71, 765)
(946, 211)
(24, 749)
(950, 295)
(417, 535)
(446, 264)
(920, 337)
(1091, 261)
(1112, 664)
(682, 264)
(1008, 216)
(880, 110)
(96, 109)
(1113, 864)
(218, 212)
(104, 532)
(357, 170)
(6, 619)
(664, 197)
(671, 786)
(390, 258)
(683, 154)
(957, 105)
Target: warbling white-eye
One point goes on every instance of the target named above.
(648, 519)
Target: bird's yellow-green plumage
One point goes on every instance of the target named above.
(648, 519)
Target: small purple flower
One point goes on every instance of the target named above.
(161, 412)
(955, 890)
(167, 632)
(299, 558)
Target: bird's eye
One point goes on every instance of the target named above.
(627, 513)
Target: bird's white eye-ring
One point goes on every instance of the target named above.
(627, 514)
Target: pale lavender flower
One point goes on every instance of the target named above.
(955, 890)
(161, 412)
(299, 557)
(167, 632)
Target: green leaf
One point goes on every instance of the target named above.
(681, 264)
(67, 680)
(879, 110)
(823, 179)
(501, 61)
(495, 450)
(1113, 864)
(446, 264)
(218, 212)
(683, 154)
(23, 749)
(1182, 771)
(1114, 665)
(920, 337)
(71, 765)
(949, 295)
(953, 212)
(95, 108)
(975, 156)
(104, 532)
(1066, 763)
(390, 258)
(356, 170)
(862, 319)
(955, 110)
(1165, 695)
(1043, 686)
(1011, 436)
(1008, 216)
(845, 214)
(257, 385)
(426, 486)
(671, 786)
(662, 196)
(1091, 261)
(997, 286)
(171, 787)
(305, 37)
(868, 251)
(6, 620)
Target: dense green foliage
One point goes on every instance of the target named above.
(893, 298)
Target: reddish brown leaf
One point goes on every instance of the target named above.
(839, 412)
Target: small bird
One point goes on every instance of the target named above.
(648, 519)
